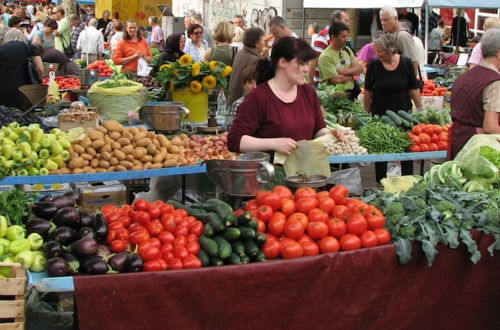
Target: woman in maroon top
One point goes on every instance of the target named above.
(282, 109)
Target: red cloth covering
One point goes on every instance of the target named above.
(364, 289)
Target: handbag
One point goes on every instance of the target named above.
(68, 50)
(34, 77)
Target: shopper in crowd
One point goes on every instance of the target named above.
(157, 36)
(459, 30)
(368, 53)
(6, 16)
(238, 38)
(404, 40)
(337, 64)
(476, 56)
(188, 21)
(63, 32)
(207, 32)
(117, 36)
(279, 28)
(103, 22)
(312, 31)
(434, 44)
(46, 36)
(222, 51)
(173, 49)
(91, 42)
(239, 21)
(15, 31)
(249, 84)
(404, 14)
(390, 84)
(38, 25)
(253, 46)
(133, 47)
(322, 42)
(475, 101)
(67, 67)
(282, 109)
(77, 27)
(110, 31)
(196, 46)
(419, 49)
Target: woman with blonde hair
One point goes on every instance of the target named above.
(222, 50)
(238, 37)
(477, 55)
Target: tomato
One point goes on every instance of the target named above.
(417, 130)
(310, 248)
(415, 148)
(287, 206)
(122, 234)
(237, 213)
(271, 237)
(180, 252)
(118, 245)
(369, 239)
(375, 221)
(283, 192)
(175, 264)
(357, 225)
(434, 138)
(443, 136)
(336, 228)
(108, 209)
(433, 147)
(349, 242)
(291, 250)
(414, 138)
(306, 204)
(167, 247)
(271, 249)
(139, 236)
(191, 261)
(155, 265)
(135, 227)
(272, 200)
(262, 226)
(115, 225)
(143, 218)
(166, 208)
(339, 194)
(181, 231)
(112, 217)
(305, 238)
(383, 236)
(258, 196)
(294, 228)
(305, 192)
(437, 129)
(340, 212)
(318, 215)
(179, 213)
(191, 238)
(150, 253)
(329, 244)
(125, 220)
(168, 222)
(141, 204)
(251, 205)
(424, 138)
(196, 228)
(154, 228)
(193, 247)
(322, 195)
(264, 213)
(301, 217)
(317, 229)
(166, 237)
(327, 204)
(428, 130)
(180, 241)
(442, 145)
(424, 147)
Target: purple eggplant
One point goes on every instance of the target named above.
(67, 216)
(39, 226)
(53, 249)
(87, 232)
(45, 210)
(97, 267)
(86, 261)
(84, 247)
(71, 194)
(57, 266)
(64, 235)
(133, 263)
(73, 263)
(85, 219)
(100, 227)
(63, 201)
(117, 262)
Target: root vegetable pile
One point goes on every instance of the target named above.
(349, 147)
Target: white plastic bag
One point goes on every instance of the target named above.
(143, 69)
(351, 178)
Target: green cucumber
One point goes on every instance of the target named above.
(251, 249)
(234, 259)
(231, 234)
(253, 224)
(209, 245)
(216, 222)
(260, 239)
(209, 230)
(238, 248)
(204, 257)
(224, 247)
(243, 219)
(405, 115)
(215, 261)
(245, 259)
(247, 233)
(194, 212)
(223, 209)
(388, 120)
(406, 123)
(395, 118)
(259, 257)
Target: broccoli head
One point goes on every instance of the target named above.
(446, 208)
(492, 217)
(395, 211)
(417, 190)
(406, 231)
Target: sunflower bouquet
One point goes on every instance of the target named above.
(184, 73)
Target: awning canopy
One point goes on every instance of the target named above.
(364, 3)
(464, 3)
(85, 2)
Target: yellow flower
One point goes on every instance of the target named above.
(209, 82)
(185, 59)
(227, 71)
(165, 66)
(196, 69)
(195, 86)
(212, 65)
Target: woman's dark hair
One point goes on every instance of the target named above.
(248, 74)
(336, 28)
(252, 36)
(194, 27)
(288, 48)
(14, 20)
(126, 36)
(51, 23)
(172, 43)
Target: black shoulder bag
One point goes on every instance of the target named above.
(420, 81)
(33, 75)
(68, 50)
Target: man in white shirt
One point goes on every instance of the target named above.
(279, 28)
(91, 42)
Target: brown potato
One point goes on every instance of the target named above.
(77, 171)
(107, 139)
(120, 168)
(73, 155)
(177, 141)
(115, 135)
(119, 154)
(183, 136)
(123, 141)
(170, 163)
(146, 166)
(100, 170)
(156, 165)
(91, 151)
(95, 135)
(113, 126)
(150, 135)
(127, 164)
(105, 155)
(115, 145)
(110, 169)
(143, 142)
(86, 142)
(173, 149)
(102, 129)
(136, 162)
(160, 157)
(86, 156)
(114, 161)
(107, 148)
(77, 162)
(127, 149)
(78, 149)
(137, 153)
(138, 136)
(129, 158)
(136, 168)
(103, 163)
(146, 158)
(65, 170)
(163, 140)
(143, 129)
(133, 130)
(86, 162)
(128, 135)
(97, 144)
(94, 163)
(151, 149)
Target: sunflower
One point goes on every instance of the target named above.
(165, 66)
(227, 71)
(209, 82)
(185, 59)
(212, 65)
(195, 70)
(195, 86)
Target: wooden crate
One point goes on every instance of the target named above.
(12, 298)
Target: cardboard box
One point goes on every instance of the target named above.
(87, 119)
(434, 102)
(94, 195)
(47, 189)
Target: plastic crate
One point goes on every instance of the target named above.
(135, 186)
(12, 291)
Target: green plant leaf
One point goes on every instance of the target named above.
(403, 249)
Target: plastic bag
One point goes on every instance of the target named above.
(399, 184)
(476, 166)
(134, 87)
(41, 314)
(309, 158)
(143, 69)
(351, 178)
(113, 107)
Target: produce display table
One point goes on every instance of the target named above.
(346, 290)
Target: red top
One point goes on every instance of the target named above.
(263, 115)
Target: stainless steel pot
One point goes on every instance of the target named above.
(88, 77)
(313, 181)
(164, 116)
(243, 176)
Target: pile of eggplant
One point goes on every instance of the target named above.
(75, 240)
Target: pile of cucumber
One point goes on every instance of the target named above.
(401, 119)
(227, 240)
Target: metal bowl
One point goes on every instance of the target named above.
(164, 116)
(314, 181)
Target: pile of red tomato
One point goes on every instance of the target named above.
(104, 69)
(308, 223)
(430, 89)
(64, 82)
(428, 137)
(164, 237)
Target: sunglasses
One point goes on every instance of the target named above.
(341, 56)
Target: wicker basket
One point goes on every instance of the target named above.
(36, 94)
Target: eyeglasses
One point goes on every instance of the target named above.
(341, 57)
(198, 33)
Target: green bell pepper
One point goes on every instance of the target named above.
(4, 225)
(7, 149)
(39, 262)
(2, 250)
(36, 135)
(25, 258)
(9, 164)
(13, 136)
(44, 153)
(51, 165)
(2, 160)
(57, 132)
(35, 146)
(33, 127)
(64, 142)
(4, 242)
(33, 171)
(65, 155)
(36, 241)
(44, 171)
(6, 271)
(25, 136)
(59, 160)
(25, 148)
(19, 245)
(13, 125)
(33, 156)
(45, 142)
(14, 232)
(56, 148)
(17, 155)
(22, 172)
